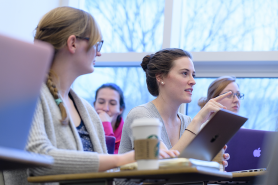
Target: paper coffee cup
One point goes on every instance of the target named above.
(146, 136)
(219, 158)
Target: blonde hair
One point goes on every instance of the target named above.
(55, 27)
(215, 88)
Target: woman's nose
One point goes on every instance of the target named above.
(105, 107)
(192, 81)
(236, 99)
(98, 54)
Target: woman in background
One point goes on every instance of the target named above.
(109, 104)
(170, 78)
(220, 86)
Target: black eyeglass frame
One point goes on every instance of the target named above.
(84, 38)
(98, 44)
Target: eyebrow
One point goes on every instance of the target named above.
(102, 99)
(232, 91)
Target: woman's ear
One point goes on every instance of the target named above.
(71, 44)
(159, 78)
(121, 110)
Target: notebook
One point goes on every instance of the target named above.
(247, 148)
(213, 136)
(23, 69)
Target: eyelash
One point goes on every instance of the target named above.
(103, 103)
(185, 73)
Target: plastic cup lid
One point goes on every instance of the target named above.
(146, 122)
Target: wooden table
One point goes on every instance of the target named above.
(161, 176)
(241, 178)
(18, 159)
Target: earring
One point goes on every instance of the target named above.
(162, 83)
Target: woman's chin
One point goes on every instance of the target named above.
(234, 110)
(186, 100)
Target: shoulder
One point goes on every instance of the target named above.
(185, 120)
(142, 111)
(81, 101)
(47, 101)
(45, 92)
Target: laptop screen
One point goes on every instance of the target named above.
(23, 68)
(247, 148)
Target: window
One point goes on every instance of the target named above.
(260, 103)
(131, 80)
(235, 25)
(128, 26)
(236, 38)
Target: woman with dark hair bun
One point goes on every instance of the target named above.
(170, 78)
(110, 105)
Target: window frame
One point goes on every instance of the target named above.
(207, 64)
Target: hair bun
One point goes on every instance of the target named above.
(146, 61)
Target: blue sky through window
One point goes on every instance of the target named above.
(128, 26)
(260, 102)
(229, 25)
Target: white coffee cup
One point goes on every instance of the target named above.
(146, 130)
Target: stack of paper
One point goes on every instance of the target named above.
(178, 163)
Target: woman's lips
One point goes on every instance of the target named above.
(189, 91)
(235, 107)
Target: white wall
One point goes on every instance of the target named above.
(19, 18)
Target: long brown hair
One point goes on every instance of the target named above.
(55, 27)
(116, 88)
(215, 88)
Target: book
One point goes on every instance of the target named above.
(178, 163)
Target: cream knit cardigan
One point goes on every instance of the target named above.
(49, 137)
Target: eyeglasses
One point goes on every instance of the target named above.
(98, 44)
(84, 38)
(240, 96)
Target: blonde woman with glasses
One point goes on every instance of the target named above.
(223, 85)
(65, 126)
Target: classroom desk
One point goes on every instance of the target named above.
(18, 159)
(161, 176)
(246, 178)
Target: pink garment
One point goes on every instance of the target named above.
(118, 133)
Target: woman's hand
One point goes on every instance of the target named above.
(108, 161)
(163, 154)
(226, 157)
(104, 117)
(122, 159)
(211, 107)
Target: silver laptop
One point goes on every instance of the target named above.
(23, 68)
(214, 135)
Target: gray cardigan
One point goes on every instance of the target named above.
(147, 111)
(48, 136)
